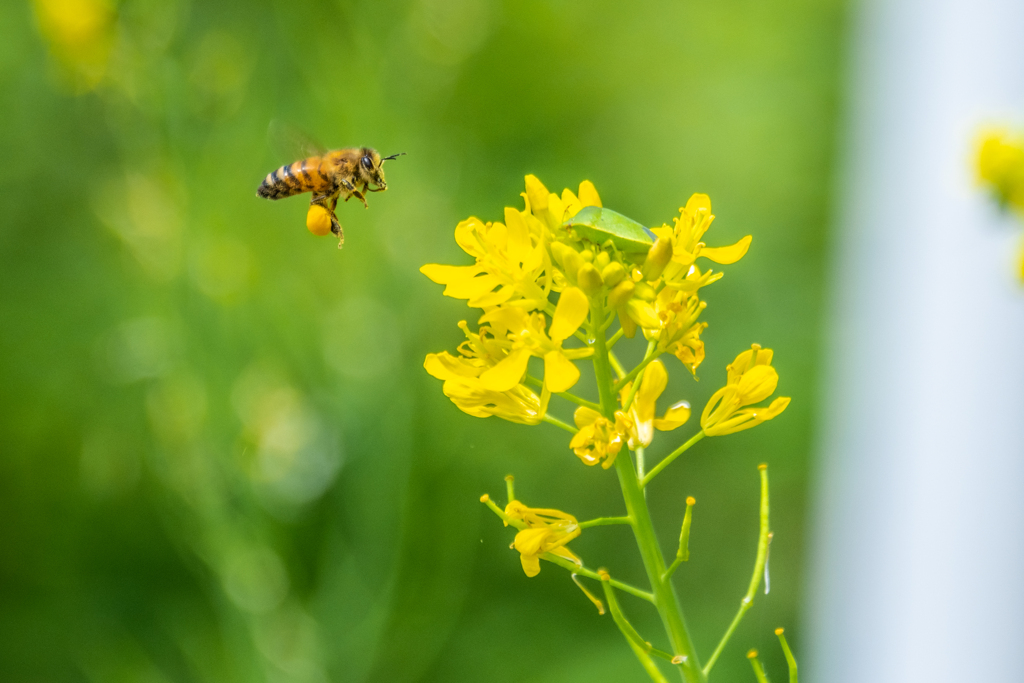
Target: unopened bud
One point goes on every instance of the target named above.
(645, 291)
(602, 259)
(587, 255)
(571, 263)
(613, 273)
(588, 278)
(621, 293)
(657, 258)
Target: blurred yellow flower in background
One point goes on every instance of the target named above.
(1001, 166)
(81, 35)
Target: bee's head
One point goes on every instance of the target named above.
(370, 167)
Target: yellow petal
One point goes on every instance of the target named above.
(570, 313)
(651, 387)
(467, 236)
(560, 373)
(675, 416)
(567, 554)
(470, 288)
(698, 201)
(445, 366)
(537, 194)
(757, 384)
(518, 236)
(643, 313)
(530, 541)
(570, 203)
(585, 416)
(727, 255)
(776, 407)
(507, 373)
(588, 194)
(531, 565)
(442, 274)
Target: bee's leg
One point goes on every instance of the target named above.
(361, 197)
(335, 224)
(336, 229)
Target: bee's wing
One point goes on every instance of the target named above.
(289, 142)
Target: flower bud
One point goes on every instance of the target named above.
(658, 257)
(601, 260)
(571, 262)
(645, 291)
(558, 252)
(621, 294)
(587, 255)
(589, 279)
(318, 220)
(613, 274)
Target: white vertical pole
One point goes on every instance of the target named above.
(918, 546)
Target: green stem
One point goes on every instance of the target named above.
(558, 423)
(643, 529)
(641, 647)
(667, 460)
(615, 338)
(683, 554)
(759, 673)
(634, 372)
(591, 574)
(755, 580)
(565, 394)
(604, 521)
(790, 660)
(616, 366)
(636, 385)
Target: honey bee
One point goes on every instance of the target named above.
(346, 173)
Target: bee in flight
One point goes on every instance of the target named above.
(345, 173)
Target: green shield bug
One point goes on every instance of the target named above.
(601, 225)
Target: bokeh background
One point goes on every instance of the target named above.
(220, 457)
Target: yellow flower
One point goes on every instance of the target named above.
(679, 331)
(751, 378)
(527, 337)
(642, 410)
(465, 386)
(694, 220)
(547, 531)
(598, 439)
(511, 259)
(1001, 165)
(81, 34)
(553, 210)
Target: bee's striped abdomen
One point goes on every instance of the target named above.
(305, 175)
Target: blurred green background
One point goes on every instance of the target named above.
(220, 457)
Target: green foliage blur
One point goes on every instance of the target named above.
(220, 457)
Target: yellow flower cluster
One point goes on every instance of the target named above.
(521, 264)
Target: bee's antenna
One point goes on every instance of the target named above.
(393, 156)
